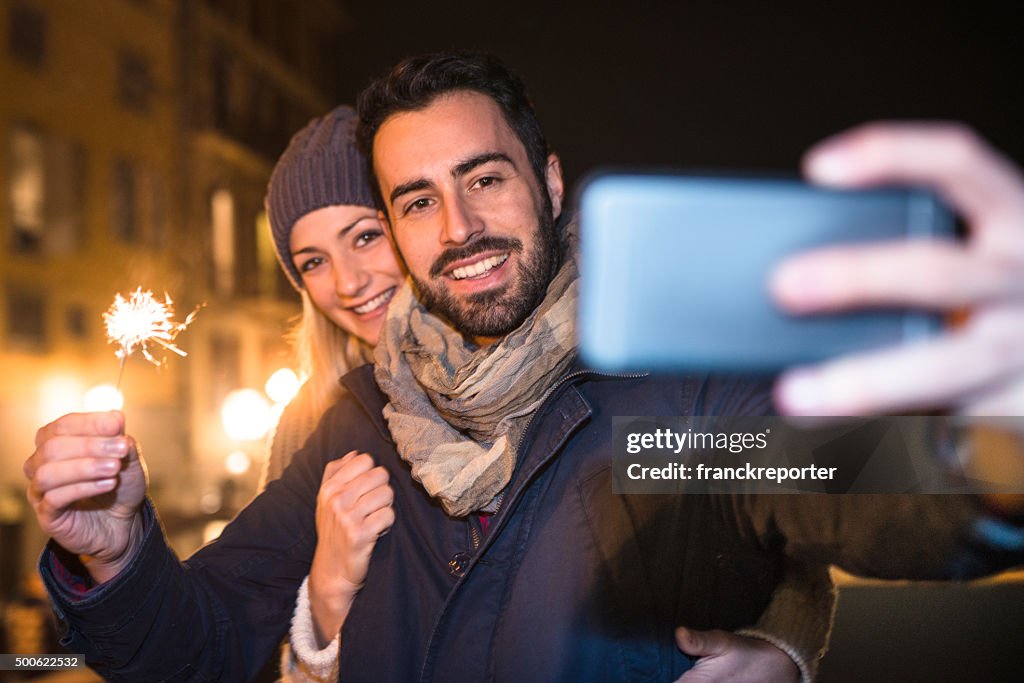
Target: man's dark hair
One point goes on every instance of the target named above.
(416, 82)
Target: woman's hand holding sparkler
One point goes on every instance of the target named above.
(86, 477)
(86, 485)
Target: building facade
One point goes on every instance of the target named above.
(138, 138)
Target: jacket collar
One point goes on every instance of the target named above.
(364, 389)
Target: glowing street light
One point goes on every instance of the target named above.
(238, 462)
(57, 396)
(103, 397)
(213, 529)
(246, 415)
(282, 385)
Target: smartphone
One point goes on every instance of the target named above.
(674, 269)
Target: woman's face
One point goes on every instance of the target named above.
(347, 267)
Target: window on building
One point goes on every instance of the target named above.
(266, 257)
(134, 80)
(222, 221)
(232, 104)
(157, 209)
(46, 191)
(27, 34)
(264, 101)
(26, 188)
(220, 72)
(26, 321)
(263, 22)
(225, 367)
(65, 195)
(155, 194)
(226, 7)
(279, 132)
(247, 275)
(124, 200)
(75, 322)
(293, 39)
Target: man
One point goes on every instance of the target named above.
(501, 427)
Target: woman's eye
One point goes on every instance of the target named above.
(310, 264)
(367, 237)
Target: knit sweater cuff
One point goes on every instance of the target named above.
(807, 669)
(302, 661)
(798, 619)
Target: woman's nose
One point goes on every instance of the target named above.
(350, 282)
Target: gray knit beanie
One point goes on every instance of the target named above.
(321, 167)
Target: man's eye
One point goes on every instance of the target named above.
(418, 205)
(487, 181)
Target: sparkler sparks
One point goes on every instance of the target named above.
(139, 320)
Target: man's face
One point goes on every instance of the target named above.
(467, 214)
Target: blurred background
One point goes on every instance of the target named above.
(137, 137)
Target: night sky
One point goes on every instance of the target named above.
(730, 86)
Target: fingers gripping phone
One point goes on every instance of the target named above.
(674, 269)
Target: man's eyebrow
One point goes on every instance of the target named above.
(461, 169)
(406, 188)
(468, 165)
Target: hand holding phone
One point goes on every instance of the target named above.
(675, 270)
(975, 366)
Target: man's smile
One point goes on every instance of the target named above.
(478, 268)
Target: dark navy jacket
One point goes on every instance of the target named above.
(570, 582)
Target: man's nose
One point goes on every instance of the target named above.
(461, 224)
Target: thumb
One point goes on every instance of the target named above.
(701, 643)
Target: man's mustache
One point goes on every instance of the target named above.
(486, 243)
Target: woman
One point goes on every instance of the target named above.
(333, 249)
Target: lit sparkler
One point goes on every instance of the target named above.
(141, 320)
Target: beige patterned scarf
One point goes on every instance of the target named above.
(457, 412)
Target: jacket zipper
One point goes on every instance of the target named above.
(474, 532)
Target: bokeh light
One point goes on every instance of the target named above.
(103, 397)
(246, 415)
(58, 396)
(237, 462)
(282, 385)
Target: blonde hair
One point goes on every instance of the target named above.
(324, 353)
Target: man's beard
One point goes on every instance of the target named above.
(496, 312)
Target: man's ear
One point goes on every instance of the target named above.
(556, 189)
